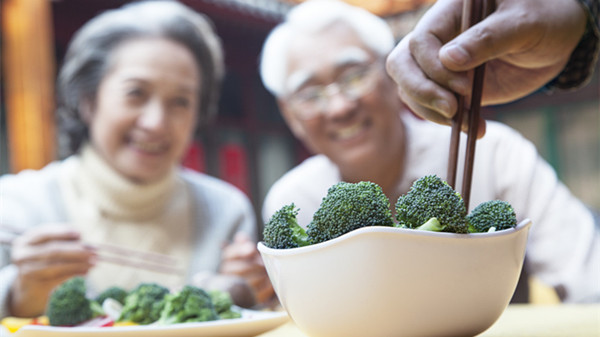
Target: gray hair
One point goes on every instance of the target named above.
(315, 16)
(88, 58)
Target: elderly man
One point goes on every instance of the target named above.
(325, 64)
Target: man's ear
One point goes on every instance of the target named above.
(291, 120)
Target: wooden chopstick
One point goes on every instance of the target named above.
(136, 259)
(473, 12)
(460, 111)
(140, 264)
(118, 250)
(113, 254)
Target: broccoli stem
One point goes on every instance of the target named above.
(432, 225)
(300, 236)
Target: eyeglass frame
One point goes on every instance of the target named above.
(370, 72)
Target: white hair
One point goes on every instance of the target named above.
(313, 16)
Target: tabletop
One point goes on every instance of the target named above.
(519, 320)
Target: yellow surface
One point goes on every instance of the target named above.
(540, 293)
(125, 323)
(520, 321)
(12, 324)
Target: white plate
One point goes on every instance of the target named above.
(252, 323)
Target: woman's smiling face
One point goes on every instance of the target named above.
(145, 110)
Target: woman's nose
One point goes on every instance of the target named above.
(153, 116)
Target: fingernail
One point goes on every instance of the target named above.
(457, 54)
(442, 106)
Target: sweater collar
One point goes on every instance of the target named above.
(115, 195)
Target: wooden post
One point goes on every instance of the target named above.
(28, 62)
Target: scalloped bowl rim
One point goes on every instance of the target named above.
(524, 224)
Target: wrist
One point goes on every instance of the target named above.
(22, 303)
(578, 70)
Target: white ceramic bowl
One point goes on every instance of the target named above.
(383, 281)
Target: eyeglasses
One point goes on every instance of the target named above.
(353, 83)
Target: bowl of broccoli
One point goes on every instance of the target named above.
(430, 269)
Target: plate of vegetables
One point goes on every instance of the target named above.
(148, 310)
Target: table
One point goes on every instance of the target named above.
(519, 320)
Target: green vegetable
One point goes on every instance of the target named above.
(431, 197)
(223, 303)
(191, 304)
(349, 206)
(144, 304)
(69, 306)
(491, 216)
(283, 231)
(116, 293)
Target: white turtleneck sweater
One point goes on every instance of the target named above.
(186, 215)
(105, 207)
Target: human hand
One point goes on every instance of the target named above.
(45, 257)
(241, 258)
(525, 44)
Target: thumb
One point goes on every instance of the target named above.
(489, 39)
(241, 237)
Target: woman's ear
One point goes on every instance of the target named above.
(86, 111)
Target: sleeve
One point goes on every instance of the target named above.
(27, 199)
(580, 67)
(14, 213)
(564, 242)
(247, 222)
(221, 210)
(291, 189)
(8, 274)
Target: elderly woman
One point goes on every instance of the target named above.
(135, 84)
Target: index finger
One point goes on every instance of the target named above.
(239, 250)
(49, 232)
(442, 25)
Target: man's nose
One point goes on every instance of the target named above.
(338, 103)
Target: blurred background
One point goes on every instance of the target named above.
(250, 146)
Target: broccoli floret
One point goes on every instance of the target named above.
(223, 302)
(144, 304)
(230, 314)
(69, 306)
(116, 293)
(349, 206)
(282, 230)
(191, 304)
(431, 197)
(490, 216)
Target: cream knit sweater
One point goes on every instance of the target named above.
(108, 208)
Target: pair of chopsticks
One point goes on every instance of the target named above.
(113, 254)
(473, 12)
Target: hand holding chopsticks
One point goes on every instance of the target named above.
(473, 12)
(103, 252)
(48, 255)
(526, 44)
